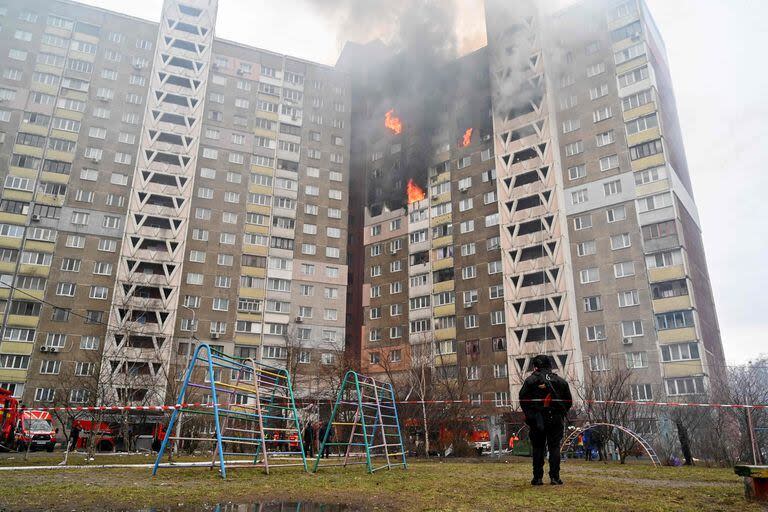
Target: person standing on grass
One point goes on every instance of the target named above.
(545, 399)
(308, 437)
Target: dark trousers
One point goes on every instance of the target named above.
(309, 448)
(547, 439)
(327, 450)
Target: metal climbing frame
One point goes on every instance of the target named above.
(364, 426)
(254, 417)
(634, 435)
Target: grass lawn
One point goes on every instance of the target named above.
(454, 485)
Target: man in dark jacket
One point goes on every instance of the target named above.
(308, 437)
(545, 399)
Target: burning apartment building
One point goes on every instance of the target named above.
(163, 186)
(535, 198)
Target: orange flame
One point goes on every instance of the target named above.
(467, 138)
(392, 122)
(415, 192)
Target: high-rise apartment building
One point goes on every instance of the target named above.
(557, 215)
(162, 186)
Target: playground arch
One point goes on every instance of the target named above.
(637, 437)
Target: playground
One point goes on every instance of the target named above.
(457, 484)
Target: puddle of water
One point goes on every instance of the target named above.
(274, 506)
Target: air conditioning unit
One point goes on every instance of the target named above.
(463, 189)
(104, 99)
(95, 160)
(35, 218)
(214, 335)
(298, 320)
(627, 341)
(467, 305)
(434, 198)
(43, 349)
(240, 72)
(53, 349)
(485, 137)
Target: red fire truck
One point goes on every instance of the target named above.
(21, 429)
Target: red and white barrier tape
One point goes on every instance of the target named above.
(204, 405)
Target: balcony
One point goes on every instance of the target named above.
(677, 335)
(666, 274)
(682, 368)
(672, 304)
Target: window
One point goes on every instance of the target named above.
(636, 100)
(79, 396)
(616, 214)
(602, 114)
(111, 222)
(598, 92)
(598, 363)
(650, 175)
(595, 69)
(624, 269)
(84, 369)
(577, 171)
(501, 399)
(99, 292)
(50, 367)
(497, 317)
(596, 332)
(107, 245)
(654, 202)
(102, 268)
(574, 148)
(609, 162)
(579, 196)
(593, 303)
(631, 328)
(642, 123)
(646, 149)
(567, 102)
(605, 138)
(621, 241)
(629, 298)
(674, 320)
(494, 267)
(680, 352)
(582, 222)
(571, 125)
(641, 392)
(467, 226)
(586, 248)
(632, 77)
(685, 386)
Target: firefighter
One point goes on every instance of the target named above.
(545, 399)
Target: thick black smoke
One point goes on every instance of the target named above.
(421, 40)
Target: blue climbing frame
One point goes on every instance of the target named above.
(255, 421)
(365, 414)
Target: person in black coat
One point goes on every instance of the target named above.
(327, 449)
(308, 438)
(74, 436)
(545, 399)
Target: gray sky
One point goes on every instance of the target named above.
(716, 57)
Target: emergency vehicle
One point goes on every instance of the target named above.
(21, 429)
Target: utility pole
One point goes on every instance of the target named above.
(190, 339)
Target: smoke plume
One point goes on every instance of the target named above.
(423, 37)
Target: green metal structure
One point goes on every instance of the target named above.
(363, 427)
(254, 421)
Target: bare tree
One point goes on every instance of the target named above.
(602, 393)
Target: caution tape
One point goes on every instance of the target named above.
(210, 405)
